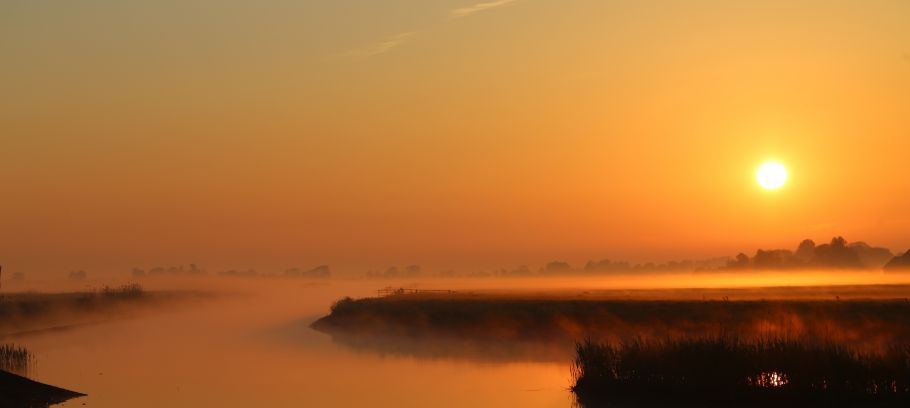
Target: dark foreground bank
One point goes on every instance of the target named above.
(20, 392)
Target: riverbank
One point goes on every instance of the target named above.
(34, 312)
(20, 392)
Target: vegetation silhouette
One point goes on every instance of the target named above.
(898, 263)
(728, 370)
(550, 326)
(20, 392)
(30, 312)
(837, 254)
(321, 271)
(15, 359)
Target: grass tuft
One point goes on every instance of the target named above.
(15, 359)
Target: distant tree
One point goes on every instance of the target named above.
(806, 250)
(448, 273)
(899, 263)
(741, 261)
(78, 275)
(521, 270)
(836, 255)
(412, 270)
(772, 259)
(869, 256)
(601, 265)
(558, 266)
(321, 271)
(391, 272)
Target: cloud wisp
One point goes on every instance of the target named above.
(476, 8)
(381, 47)
(396, 40)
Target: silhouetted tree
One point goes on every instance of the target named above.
(901, 262)
(806, 250)
(78, 275)
(557, 267)
(836, 255)
(412, 270)
(871, 257)
(321, 271)
(391, 272)
(772, 259)
(740, 262)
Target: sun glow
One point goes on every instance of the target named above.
(771, 175)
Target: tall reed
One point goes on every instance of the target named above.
(16, 359)
(730, 369)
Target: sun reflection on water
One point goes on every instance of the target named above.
(770, 380)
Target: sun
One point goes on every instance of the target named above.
(771, 175)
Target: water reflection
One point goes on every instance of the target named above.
(256, 350)
(769, 380)
(451, 348)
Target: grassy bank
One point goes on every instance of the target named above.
(729, 370)
(24, 313)
(860, 324)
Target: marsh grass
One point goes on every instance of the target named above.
(678, 352)
(127, 291)
(27, 311)
(860, 324)
(15, 359)
(112, 294)
(731, 370)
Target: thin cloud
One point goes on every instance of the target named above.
(467, 11)
(381, 47)
(396, 40)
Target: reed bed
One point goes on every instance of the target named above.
(15, 359)
(725, 370)
(126, 291)
(860, 324)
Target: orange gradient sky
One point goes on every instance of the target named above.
(463, 134)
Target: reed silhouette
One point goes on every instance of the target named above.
(729, 370)
(15, 359)
(863, 324)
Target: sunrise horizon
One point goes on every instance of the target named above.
(482, 203)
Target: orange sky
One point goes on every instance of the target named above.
(463, 134)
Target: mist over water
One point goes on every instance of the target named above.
(256, 349)
(252, 344)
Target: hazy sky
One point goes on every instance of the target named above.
(278, 133)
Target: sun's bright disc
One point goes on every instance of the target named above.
(771, 175)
